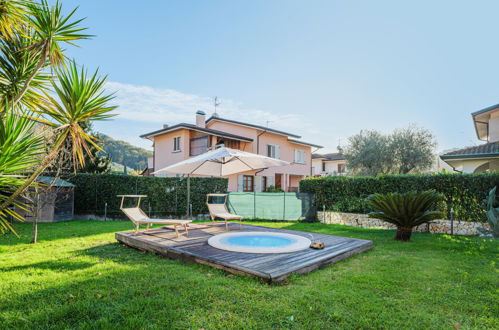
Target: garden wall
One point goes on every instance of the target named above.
(435, 226)
(166, 196)
(464, 193)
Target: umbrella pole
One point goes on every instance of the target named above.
(188, 196)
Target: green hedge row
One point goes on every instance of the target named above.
(166, 196)
(465, 193)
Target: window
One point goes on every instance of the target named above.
(323, 166)
(273, 151)
(264, 183)
(299, 156)
(248, 183)
(341, 168)
(176, 143)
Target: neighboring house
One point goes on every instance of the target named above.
(173, 144)
(481, 158)
(328, 164)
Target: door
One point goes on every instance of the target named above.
(278, 181)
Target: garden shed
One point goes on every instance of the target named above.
(51, 201)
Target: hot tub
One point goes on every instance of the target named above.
(259, 242)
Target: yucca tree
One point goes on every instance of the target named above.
(20, 150)
(34, 76)
(39, 41)
(80, 100)
(17, 67)
(12, 17)
(406, 210)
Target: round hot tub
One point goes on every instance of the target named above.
(259, 242)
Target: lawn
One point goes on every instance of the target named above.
(78, 276)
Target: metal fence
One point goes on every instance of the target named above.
(273, 206)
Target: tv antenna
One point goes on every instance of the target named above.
(216, 103)
(268, 122)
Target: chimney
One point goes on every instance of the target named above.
(165, 126)
(200, 119)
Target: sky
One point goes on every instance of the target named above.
(324, 70)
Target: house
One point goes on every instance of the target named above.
(328, 164)
(484, 157)
(173, 144)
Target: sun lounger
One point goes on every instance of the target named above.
(138, 217)
(217, 205)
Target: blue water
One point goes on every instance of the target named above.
(258, 240)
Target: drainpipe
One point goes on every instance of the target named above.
(153, 157)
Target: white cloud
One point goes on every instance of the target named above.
(160, 106)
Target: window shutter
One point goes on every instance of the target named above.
(277, 151)
(258, 183)
(240, 179)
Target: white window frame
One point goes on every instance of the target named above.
(274, 151)
(177, 143)
(299, 156)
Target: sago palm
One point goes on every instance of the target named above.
(20, 150)
(80, 99)
(406, 210)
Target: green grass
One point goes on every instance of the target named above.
(78, 276)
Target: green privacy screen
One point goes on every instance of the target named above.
(274, 206)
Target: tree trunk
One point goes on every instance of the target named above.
(403, 234)
(39, 66)
(34, 233)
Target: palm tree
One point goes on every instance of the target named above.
(406, 210)
(81, 100)
(31, 61)
(20, 150)
(48, 29)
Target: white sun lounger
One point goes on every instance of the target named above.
(138, 217)
(218, 209)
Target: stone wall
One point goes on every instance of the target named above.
(435, 226)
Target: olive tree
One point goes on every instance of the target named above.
(407, 150)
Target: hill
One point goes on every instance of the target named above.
(124, 153)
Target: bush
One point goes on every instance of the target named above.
(166, 196)
(465, 193)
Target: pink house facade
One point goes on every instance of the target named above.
(173, 144)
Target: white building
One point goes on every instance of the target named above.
(482, 158)
(328, 164)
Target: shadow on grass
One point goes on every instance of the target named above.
(52, 265)
(64, 230)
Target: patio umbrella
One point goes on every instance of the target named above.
(220, 162)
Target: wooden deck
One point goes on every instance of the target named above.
(272, 268)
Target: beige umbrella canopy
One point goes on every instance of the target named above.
(220, 162)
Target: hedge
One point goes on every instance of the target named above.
(166, 196)
(465, 193)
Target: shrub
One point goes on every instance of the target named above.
(406, 210)
(493, 213)
(166, 196)
(465, 193)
